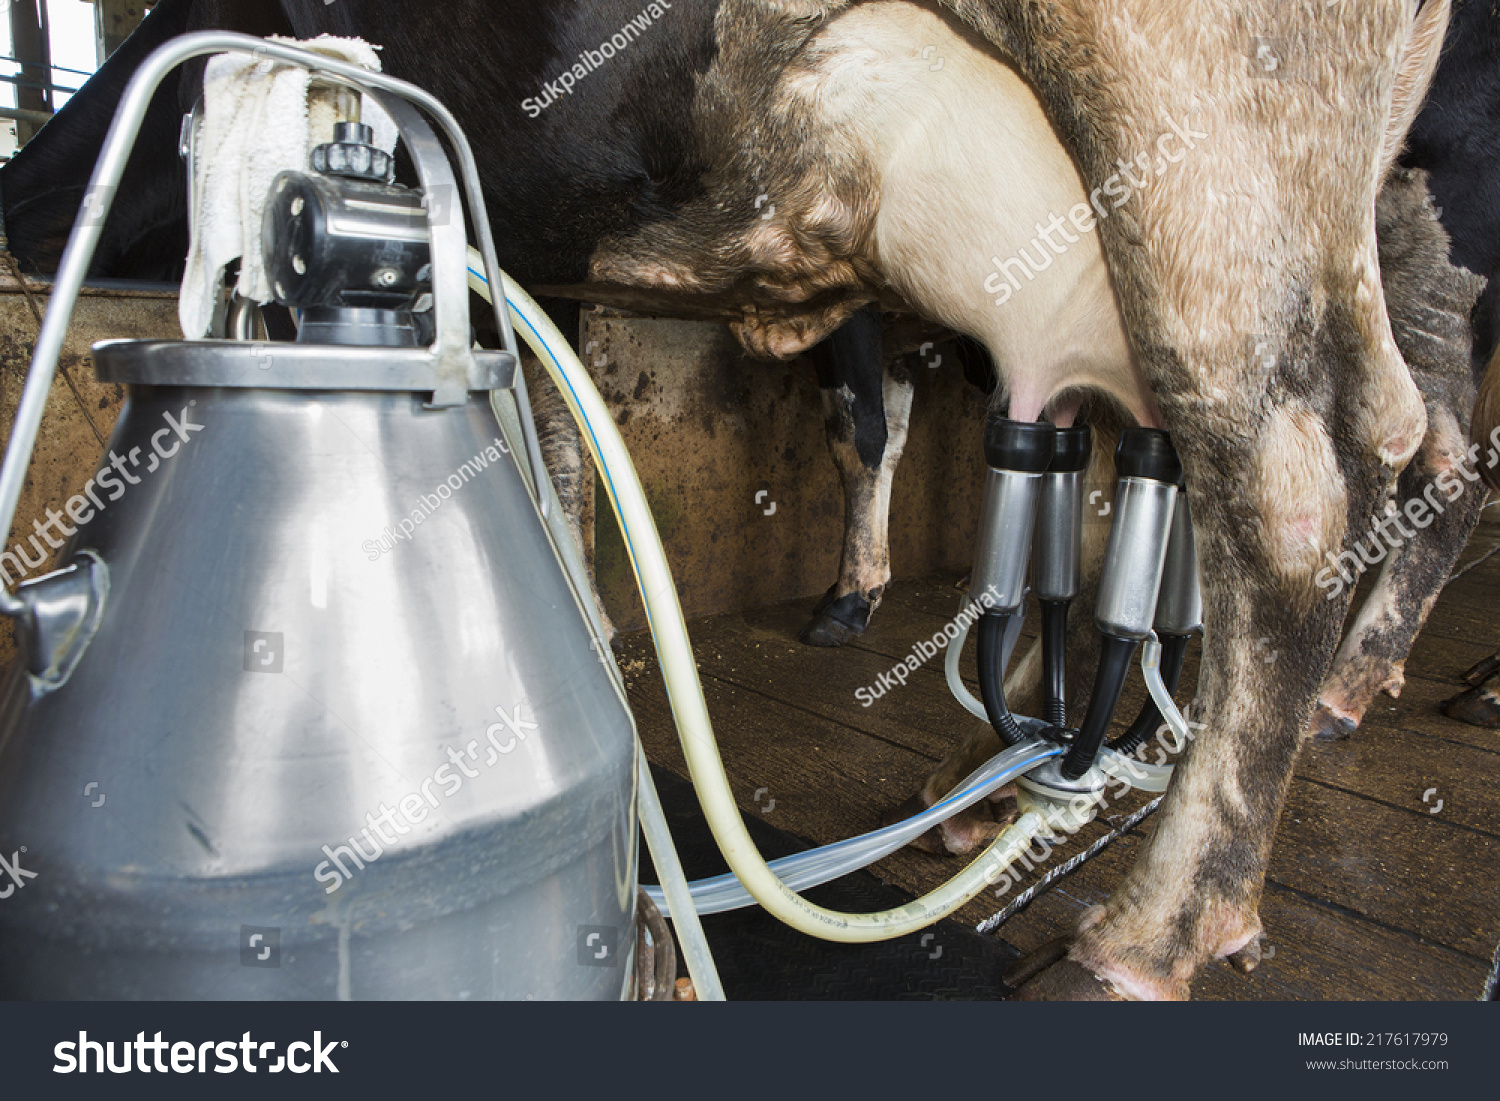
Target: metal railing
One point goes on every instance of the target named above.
(18, 80)
(47, 86)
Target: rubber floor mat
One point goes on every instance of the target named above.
(760, 959)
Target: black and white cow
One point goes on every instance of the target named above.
(901, 145)
(1456, 139)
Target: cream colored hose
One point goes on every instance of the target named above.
(685, 691)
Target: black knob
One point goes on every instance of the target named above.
(354, 155)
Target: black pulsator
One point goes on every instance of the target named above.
(346, 246)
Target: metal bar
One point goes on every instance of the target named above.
(449, 249)
(21, 114)
(29, 40)
(59, 68)
(22, 82)
(1041, 886)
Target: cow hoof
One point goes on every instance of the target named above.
(1328, 725)
(837, 620)
(1247, 959)
(1483, 671)
(1477, 706)
(967, 831)
(1066, 981)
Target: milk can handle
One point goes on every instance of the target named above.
(444, 220)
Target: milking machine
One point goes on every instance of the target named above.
(1035, 480)
(1034, 488)
(1148, 592)
(244, 756)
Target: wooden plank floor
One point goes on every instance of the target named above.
(1372, 892)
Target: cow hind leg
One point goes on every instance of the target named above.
(1372, 657)
(1430, 303)
(867, 404)
(1193, 893)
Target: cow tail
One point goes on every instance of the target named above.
(1486, 424)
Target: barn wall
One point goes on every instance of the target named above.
(729, 428)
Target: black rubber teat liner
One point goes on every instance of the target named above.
(1023, 446)
(1147, 453)
(1072, 449)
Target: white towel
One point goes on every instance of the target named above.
(258, 121)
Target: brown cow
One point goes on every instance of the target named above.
(1237, 167)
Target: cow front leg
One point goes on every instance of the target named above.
(867, 407)
(1443, 503)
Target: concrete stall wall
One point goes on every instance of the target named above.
(81, 411)
(722, 440)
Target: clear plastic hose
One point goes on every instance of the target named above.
(956, 685)
(823, 865)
